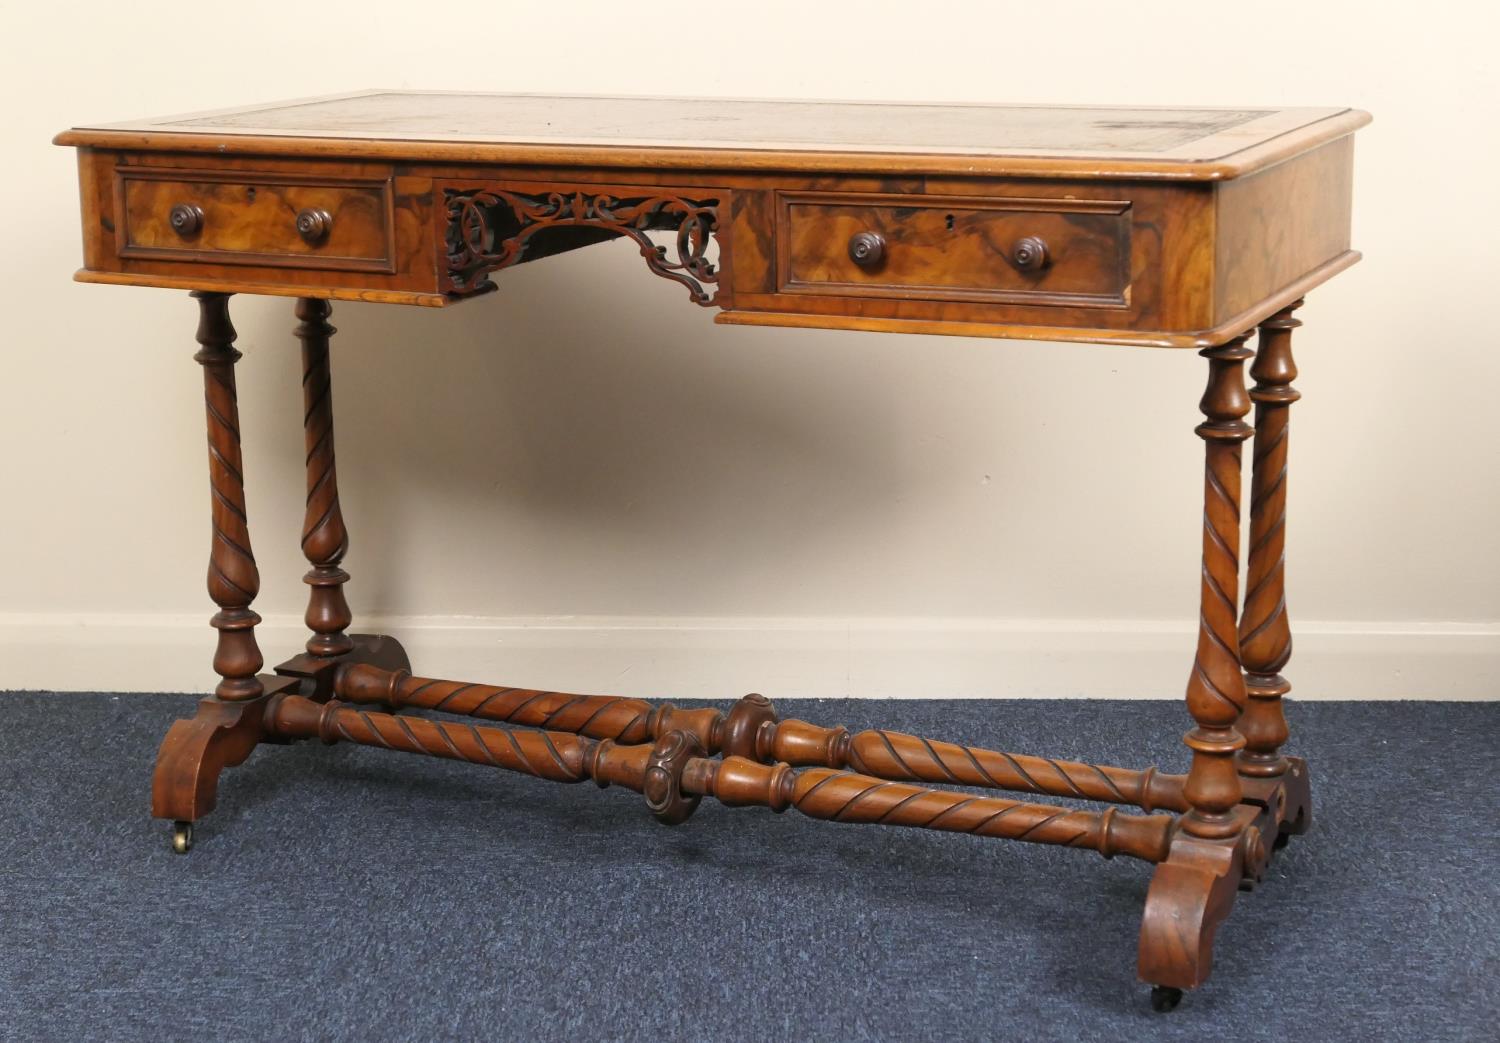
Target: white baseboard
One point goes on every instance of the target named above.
(724, 658)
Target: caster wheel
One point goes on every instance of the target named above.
(182, 837)
(1165, 998)
(1282, 840)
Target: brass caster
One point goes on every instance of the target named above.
(1165, 998)
(182, 837)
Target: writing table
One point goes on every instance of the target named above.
(1174, 228)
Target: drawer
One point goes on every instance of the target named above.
(1066, 252)
(271, 220)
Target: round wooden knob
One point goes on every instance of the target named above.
(1030, 254)
(186, 219)
(313, 224)
(867, 249)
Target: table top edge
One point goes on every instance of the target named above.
(1321, 126)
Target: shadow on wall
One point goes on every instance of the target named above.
(591, 408)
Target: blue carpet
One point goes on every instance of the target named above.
(347, 893)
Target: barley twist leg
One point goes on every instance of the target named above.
(325, 540)
(1216, 686)
(227, 727)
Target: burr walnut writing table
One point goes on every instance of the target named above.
(1175, 228)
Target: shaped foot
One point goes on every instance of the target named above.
(220, 735)
(1191, 894)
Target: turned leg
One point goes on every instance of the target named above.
(1265, 635)
(676, 771)
(752, 729)
(324, 538)
(1192, 891)
(227, 726)
(233, 580)
(1216, 686)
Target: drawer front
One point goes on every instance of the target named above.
(1066, 252)
(272, 220)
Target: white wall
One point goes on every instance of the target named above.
(614, 493)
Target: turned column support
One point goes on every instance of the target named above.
(752, 729)
(846, 796)
(325, 540)
(233, 579)
(1265, 634)
(1216, 686)
(674, 774)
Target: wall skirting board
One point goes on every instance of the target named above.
(724, 658)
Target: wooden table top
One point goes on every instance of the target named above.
(1023, 140)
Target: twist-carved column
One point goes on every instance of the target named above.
(1265, 635)
(1216, 687)
(547, 755)
(324, 538)
(846, 796)
(233, 579)
(674, 774)
(615, 717)
(752, 729)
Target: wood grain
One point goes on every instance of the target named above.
(250, 218)
(752, 729)
(956, 249)
(1128, 262)
(1216, 686)
(673, 773)
(325, 539)
(1265, 629)
(253, 244)
(233, 578)
(1174, 228)
(1279, 224)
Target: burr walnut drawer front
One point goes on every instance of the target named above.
(268, 220)
(1069, 252)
